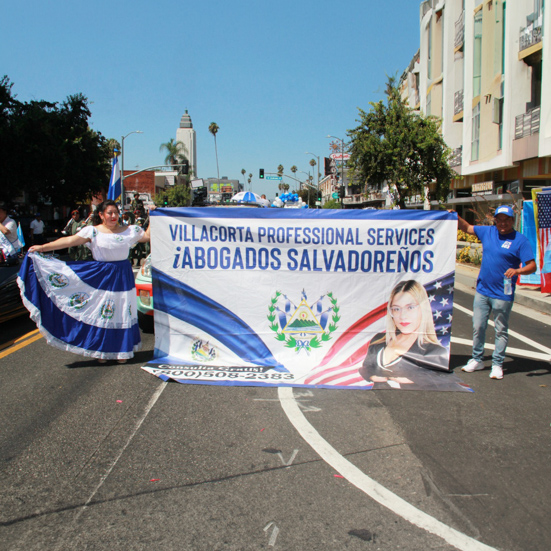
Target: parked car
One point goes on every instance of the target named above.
(144, 292)
(11, 305)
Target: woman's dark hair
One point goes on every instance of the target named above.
(96, 220)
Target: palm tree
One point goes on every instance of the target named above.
(243, 171)
(213, 129)
(250, 179)
(294, 170)
(280, 170)
(175, 152)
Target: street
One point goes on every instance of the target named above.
(109, 457)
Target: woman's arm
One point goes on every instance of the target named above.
(147, 236)
(61, 243)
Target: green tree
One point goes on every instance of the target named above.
(332, 204)
(283, 187)
(175, 196)
(213, 129)
(176, 152)
(48, 150)
(394, 144)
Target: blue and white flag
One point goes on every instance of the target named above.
(88, 308)
(6, 246)
(20, 236)
(293, 297)
(115, 184)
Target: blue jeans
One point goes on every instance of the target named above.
(483, 307)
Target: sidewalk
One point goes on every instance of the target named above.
(530, 297)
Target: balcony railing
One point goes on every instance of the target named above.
(458, 102)
(459, 30)
(527, 123)
(530, 35)
(456, 157)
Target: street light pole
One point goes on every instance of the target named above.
(342, 168)
(122, 163)
(318, 170)
(309, 182)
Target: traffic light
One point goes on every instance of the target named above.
(341, 192)
(327, 166)
(319, 196)
(184, 169)
(199, 196)
(261, 174)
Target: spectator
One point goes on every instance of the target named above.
(504, 251)
(37, 230)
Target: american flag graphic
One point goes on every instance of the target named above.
(340, 365)
(544, 238)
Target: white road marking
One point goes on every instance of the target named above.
(137, 426)
(274, 534)
(290, 462)
(516, 351)
(367, 485)
(512, 333)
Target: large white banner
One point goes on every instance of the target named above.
(315, 298)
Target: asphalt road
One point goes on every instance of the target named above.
(109, 457)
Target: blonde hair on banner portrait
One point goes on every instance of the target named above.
(426, 331)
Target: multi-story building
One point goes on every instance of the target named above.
(484, 67)
(221, 189)
(186, 134)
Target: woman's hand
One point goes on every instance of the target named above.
(36, 249)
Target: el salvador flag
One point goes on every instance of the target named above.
(115, 188)
(20, 236)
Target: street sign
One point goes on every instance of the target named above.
(273, 178)
(335, 195)
(340, 156)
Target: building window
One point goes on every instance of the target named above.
(475, 133)
(477, 55)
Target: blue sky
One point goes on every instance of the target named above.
(277, 77)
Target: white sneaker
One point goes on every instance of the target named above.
(497, 372)
(473, 365)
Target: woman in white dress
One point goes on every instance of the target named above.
(87, 307)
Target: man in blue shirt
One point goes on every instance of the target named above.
(504, 249)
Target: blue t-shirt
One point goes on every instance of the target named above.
(500, 252)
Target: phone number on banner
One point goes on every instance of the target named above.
(221, 375)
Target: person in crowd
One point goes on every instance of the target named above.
(137, 206)
(37, 230)
(504, 251)
(408, 352)
(9, 243)
(72, 225)
(88, 308)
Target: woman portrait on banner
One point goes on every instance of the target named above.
(87, 307)
(408, 355)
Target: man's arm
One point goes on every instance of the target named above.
(463, 225)
(527, 269)
(5, 230)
